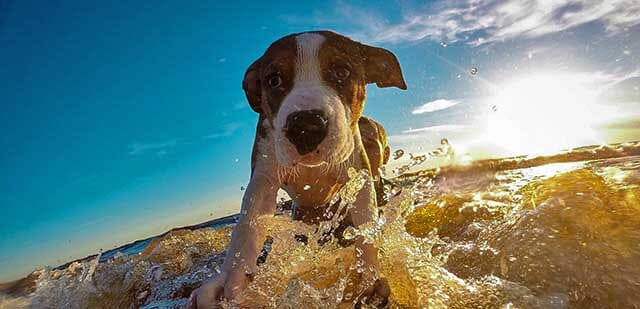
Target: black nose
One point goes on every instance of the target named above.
(306, 130)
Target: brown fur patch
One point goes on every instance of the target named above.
(340, 53)
(261, 132)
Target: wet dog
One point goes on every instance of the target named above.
(309, 90)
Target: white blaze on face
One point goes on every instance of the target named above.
(308, 62)
(310, 92)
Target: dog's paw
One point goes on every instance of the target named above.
(236, 283)
(214, 291)
(208, 295)
(376, 296)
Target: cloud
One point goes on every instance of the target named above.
(420, 135)
(161, 149)
(433, 106)
(240, 105)
(480, 22)
(136, 148)
(425, 132)
(227, 131)
(598, 81)
(624, 77)
(440, 128)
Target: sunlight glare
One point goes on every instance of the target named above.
(545, 113)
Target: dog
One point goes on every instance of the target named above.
(309, 91)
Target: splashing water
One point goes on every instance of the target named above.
(544, 236)
(398, 154)
(444, 150)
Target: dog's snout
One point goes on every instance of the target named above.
(306, 129)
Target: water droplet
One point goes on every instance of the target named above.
(474, 71)
(398, 154)
(306, 187)
(364, 173)
(395, 191)
(443, 44)
(351, 172)
(237, 160)
(350, 233)
(359, 252)
(418, 159)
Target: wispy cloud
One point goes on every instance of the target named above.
(160, 148)
(433, 106)
(598, 81)
(417, 135)
(228, 130)
(479, 22)
(440, 128)
(240, 105)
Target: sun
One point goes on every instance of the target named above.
(545, 113)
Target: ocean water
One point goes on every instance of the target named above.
(138, 246)
(560, 231)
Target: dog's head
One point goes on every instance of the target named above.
(311, 88)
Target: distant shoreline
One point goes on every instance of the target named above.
(578, 154)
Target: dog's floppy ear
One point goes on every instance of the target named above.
(381, 67)
(252, 87)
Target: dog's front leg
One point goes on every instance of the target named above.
(365, 212)
(247, 240)
(376, 292)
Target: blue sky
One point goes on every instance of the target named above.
(122, 120)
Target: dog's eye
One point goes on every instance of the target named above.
(341, 73)
(274, 81)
